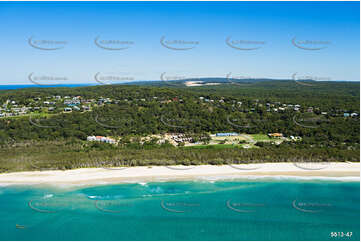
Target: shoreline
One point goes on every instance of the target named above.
(99, 176)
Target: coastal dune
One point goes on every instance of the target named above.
(90, 176)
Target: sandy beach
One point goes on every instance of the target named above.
(89, 176)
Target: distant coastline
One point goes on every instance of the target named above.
(20, 86)
(207, 81)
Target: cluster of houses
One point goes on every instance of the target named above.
(350, 114)
(181, 138)
(77, 103)
(177, 138)
(55, 103)
(278, 107)
(15, 111)
(62, 104)
(280, 136)
(101, 139)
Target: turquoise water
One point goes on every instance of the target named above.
(199, 210)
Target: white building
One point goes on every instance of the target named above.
(101, 139)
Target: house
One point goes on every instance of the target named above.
(91, 138)
(275, 135)
(86, 108)
(226, 134)
(295, 138)
(70, 102)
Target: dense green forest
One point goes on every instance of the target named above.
(58, 140)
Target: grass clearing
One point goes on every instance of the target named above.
(260, 137)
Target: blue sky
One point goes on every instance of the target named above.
(326, 33)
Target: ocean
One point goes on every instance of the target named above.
(12, 87)
(248, 209)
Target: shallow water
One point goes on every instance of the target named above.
(263, 209)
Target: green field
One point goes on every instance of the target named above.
(260, 137)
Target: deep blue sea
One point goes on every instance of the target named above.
(253, 209)
(11, 87)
